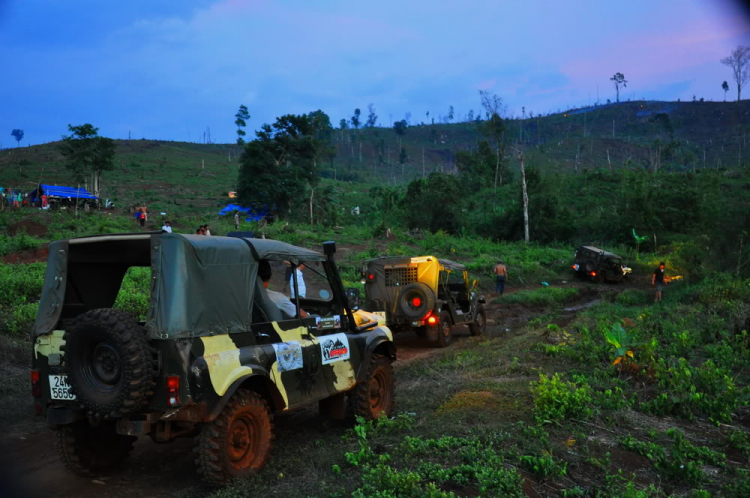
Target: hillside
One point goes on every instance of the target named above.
(707, 135)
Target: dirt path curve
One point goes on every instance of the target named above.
(29, 464)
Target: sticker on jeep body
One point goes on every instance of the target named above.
(334, 348)
(288, 355)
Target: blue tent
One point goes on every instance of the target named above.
(253, 213)
(55, 192)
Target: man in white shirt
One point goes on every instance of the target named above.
(300, 282)
(167, 227)
(279, 299)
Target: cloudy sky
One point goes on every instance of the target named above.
(166, 69)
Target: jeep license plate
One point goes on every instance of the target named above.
(59, 388)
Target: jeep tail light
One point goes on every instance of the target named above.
(593, 273)
(36, 385)
(173, 390)
(370, 277)
(432, 320)
(416, 302)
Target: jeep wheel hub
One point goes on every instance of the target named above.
(106, 362)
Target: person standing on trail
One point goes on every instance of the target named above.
(236, 220)
(501, 273)
(167, 227)
(659, 279)
(206, 230)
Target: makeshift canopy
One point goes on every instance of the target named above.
(57, 192)
(253, 213)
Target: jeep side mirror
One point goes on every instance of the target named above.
(352, 295)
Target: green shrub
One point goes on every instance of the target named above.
(556, 399)
(682, 461)
(707, 390)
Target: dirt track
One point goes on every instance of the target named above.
(29, 464)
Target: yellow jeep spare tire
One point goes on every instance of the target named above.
(415, 300)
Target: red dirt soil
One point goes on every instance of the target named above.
(38, 255)
(30, 227)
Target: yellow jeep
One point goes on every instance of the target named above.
(423, 293)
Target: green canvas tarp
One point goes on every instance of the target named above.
(199, 286)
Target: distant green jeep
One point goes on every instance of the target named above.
(424, 294)
(599, 265)
(214, 358)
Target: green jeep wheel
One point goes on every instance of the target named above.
(238, 442)
(88, 449)
(111, 367)
(374, 396)
(479, 325)
(445, 332)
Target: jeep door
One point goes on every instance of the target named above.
(293, 342)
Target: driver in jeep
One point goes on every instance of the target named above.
(280, 300)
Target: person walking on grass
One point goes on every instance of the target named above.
(501, 274)
(236, 220)
(167, 228)
(659, 280)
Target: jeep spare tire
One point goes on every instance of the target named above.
(111, 367)
(415, 300)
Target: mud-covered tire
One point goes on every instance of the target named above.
(111, 367)
(479, 325)
(88, 449)
(374, 397)
(416, 292)
(589, 266)
(445, 330)
(238, 443)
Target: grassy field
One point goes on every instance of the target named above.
(550, 411)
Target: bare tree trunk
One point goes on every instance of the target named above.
(609, 162)
(525, 201)
(312, 193)
(423, 162)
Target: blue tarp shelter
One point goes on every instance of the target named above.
(57, 192)
(252, 213)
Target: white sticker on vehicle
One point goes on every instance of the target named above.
(288, 355)
(334, 347)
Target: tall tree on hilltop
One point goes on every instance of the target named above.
(619, 80)
(355, 119)
(86, 153)
(494, 129)
(403, 158)
(372, 118)
(241, 119)
(18, 135)
(277, 167)
(725, 87)
(400, 128)
(450, 113)
(739, 62)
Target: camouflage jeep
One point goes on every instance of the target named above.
(214, 357)
(424, 294)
